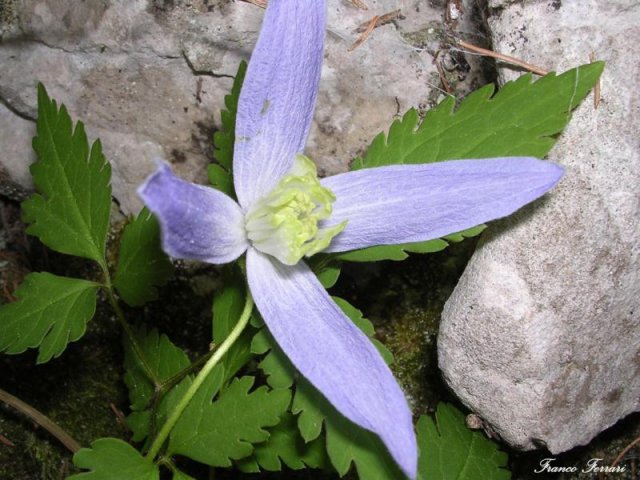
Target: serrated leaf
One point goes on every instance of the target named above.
(113, 459)
(450, 451)
(401, 251)
(228, 303)
(51, 311)
(223, 140)
(70, 212)
(214, 433)
(142, 265)
(285, 446)
(275, 365)
(307, 405)
(348, 443)
(220, 178)
(522, 119)
(164, 360)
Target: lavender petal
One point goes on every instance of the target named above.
(332, 353)
(196, 222)
(411, 203)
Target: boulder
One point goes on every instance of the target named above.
(541, 337)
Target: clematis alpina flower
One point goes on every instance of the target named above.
(284, 213)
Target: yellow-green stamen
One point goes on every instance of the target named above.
(284, 223)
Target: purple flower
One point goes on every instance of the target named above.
(284, 212)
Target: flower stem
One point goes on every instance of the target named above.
(171, 382)
(200, 378)
(42, 420)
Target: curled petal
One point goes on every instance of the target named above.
(197, 222)
(278, 96)
(332, 353)
(413, 203)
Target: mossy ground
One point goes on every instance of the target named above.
(79, 391)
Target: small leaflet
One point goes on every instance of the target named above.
(142, 265)
(232, 422)
(51, 311)
(113, 459)
(224, 139)
(70, 212)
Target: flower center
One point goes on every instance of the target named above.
(284, 223)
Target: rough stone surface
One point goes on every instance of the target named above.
(148, 77)
(542, 335)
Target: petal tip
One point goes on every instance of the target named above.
(162, 169)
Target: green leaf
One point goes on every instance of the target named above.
(346, 442)
(50, 312)
(221, 178)
(113, 459)
(164, 360)
(326, 268)
(275, 364)
(400, 252)
(217, 432)
(523, 118)
(285, 445)
(220, 175)
(178, 475)
(450, 451)
(142, 265)
(228, 303)
(70, 212)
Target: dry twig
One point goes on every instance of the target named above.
(504, 58)
(5, 441)
(257, 3)
(120, 418)
(382, 20)
(365, 34)
(42, 420)
(360, 4)
(443, 78)
(625, 451)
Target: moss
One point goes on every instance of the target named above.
(8, 13)
(75, 391)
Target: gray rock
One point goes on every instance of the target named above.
(541, 337)
(149, 76)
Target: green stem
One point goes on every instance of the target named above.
(108, 287)
(200, 378)
(163, 388)
(171, 382)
